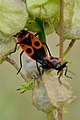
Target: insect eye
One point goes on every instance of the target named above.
(20, 35)
(37, 43)
(28, 50)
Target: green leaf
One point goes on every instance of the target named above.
(7, 44)
(13, 16)
(71, 20)
(42, 36)
(35, 3)
(33, 26)
(28, 86)
(44, 9)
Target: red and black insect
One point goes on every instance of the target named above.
(35, 49)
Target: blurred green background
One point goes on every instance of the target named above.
(16, 106)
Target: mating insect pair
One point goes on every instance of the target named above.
(36, 49)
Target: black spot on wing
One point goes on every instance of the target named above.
(37, 44)
(28, 50)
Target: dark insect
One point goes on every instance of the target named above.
(36, 49)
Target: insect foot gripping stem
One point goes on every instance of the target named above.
(61, 68)
(49, 95)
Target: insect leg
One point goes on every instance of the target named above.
(38, 68)
(47, 49)
(66, 72)
(20, 62)
(15, 48)
(60, 74)
(42, 69)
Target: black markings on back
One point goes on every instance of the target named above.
(39, 54)
(37, 43)
(22, 33)
(28, 50)
(26, 41)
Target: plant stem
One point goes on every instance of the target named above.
(12, 62)
(42, 35)
(69, 47)
(51, 116)
(61, 27)
(60, 113)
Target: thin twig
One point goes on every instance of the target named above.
(12, 62)
(60, 113)
(51, 116)
(61, 27)
(69, 47)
